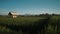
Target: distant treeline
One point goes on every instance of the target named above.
(37, 15)
(41, 15)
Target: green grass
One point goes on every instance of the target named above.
(54, 23)
(19, 20)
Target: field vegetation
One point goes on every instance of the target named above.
(30, 25)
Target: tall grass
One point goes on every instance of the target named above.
(21, 25)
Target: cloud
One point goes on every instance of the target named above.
(3, 11)
(30, 11)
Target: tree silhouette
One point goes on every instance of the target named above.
(9, 13)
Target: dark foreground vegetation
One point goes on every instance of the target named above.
(46, 24)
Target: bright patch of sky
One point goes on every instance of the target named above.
(29, 6)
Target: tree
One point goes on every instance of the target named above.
(10, 14)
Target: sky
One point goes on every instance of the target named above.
(29, 6)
